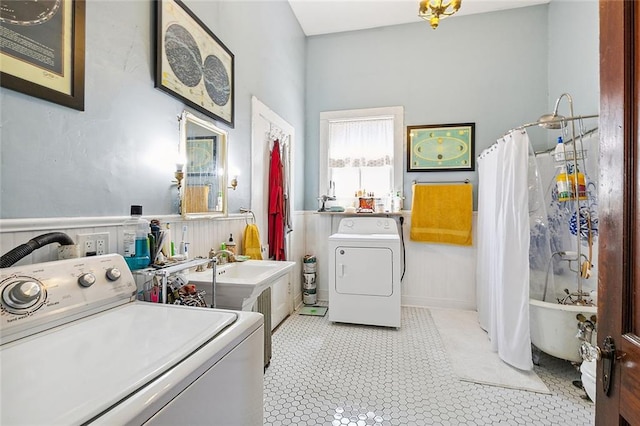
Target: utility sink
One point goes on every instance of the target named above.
(239, 284)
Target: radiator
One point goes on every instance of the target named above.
(263, 306)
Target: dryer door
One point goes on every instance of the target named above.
(364, 270)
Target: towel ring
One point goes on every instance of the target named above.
(247, 212)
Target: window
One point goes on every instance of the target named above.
(361, 150)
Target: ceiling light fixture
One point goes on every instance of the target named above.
(432, 10)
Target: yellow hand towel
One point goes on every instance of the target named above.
(442, 214)
(251, 242)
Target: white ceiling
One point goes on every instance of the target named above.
(332, 16)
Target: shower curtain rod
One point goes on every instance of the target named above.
(585, 134)
(415, 182)
(557, 120)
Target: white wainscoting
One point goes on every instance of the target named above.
(437, 275)
(202, 235)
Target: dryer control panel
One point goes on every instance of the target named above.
(368, 225)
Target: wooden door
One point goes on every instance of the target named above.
(619, 211)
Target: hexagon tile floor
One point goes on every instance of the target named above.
(323, 373)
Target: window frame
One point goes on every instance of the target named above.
(326, 117)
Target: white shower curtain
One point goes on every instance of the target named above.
(503, 248)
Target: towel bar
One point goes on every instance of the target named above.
(415, 182)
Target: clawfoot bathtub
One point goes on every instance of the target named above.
(554, 328)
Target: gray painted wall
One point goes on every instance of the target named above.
(574, 57)
(499, 70)
(58, 162)
(573, 61)
(491, 69)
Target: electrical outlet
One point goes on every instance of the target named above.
(101, 246)
(93, 244)
(90, 248)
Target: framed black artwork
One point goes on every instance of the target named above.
(192, 64)
(42, 49)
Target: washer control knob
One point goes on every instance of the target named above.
(113, 274)
(87, 279)
(22, 294)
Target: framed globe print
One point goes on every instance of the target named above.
(42, 45)
(192, 64)
(441, 147)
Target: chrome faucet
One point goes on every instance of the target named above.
(215, 255)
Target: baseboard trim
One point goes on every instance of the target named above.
(430, 302)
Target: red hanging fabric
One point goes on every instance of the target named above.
(276, 205)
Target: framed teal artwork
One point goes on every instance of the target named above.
(441, 147)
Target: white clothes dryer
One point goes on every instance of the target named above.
(365, 271)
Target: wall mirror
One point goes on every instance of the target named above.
(203, 147)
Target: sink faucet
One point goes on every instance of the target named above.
(324, 199)
(214, 255)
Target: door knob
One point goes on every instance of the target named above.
(588, 352)
(606, 354)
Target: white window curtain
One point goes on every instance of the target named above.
(361, 155)
(361, 143)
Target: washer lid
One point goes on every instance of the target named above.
(72, 374)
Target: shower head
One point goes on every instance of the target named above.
(552, 121)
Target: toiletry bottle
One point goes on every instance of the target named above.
(581, 191)
(222, 259)
(167, 242)
(219, 202)
(136, 240)
(184, 245)
(564, 185)
(558, 154)
(231, 245)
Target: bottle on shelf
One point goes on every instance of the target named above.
(564, 183)
(558, 153)
(581, 191)
(219, 201)
(136, 240)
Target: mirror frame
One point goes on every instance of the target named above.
(187, 118)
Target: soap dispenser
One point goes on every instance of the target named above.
(231, 245)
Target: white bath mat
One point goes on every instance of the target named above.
(470, 352)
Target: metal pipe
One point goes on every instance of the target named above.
(585, 134)
(543, 121)
(557, 120)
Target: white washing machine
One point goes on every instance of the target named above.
(76, 348)
(365, 272)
